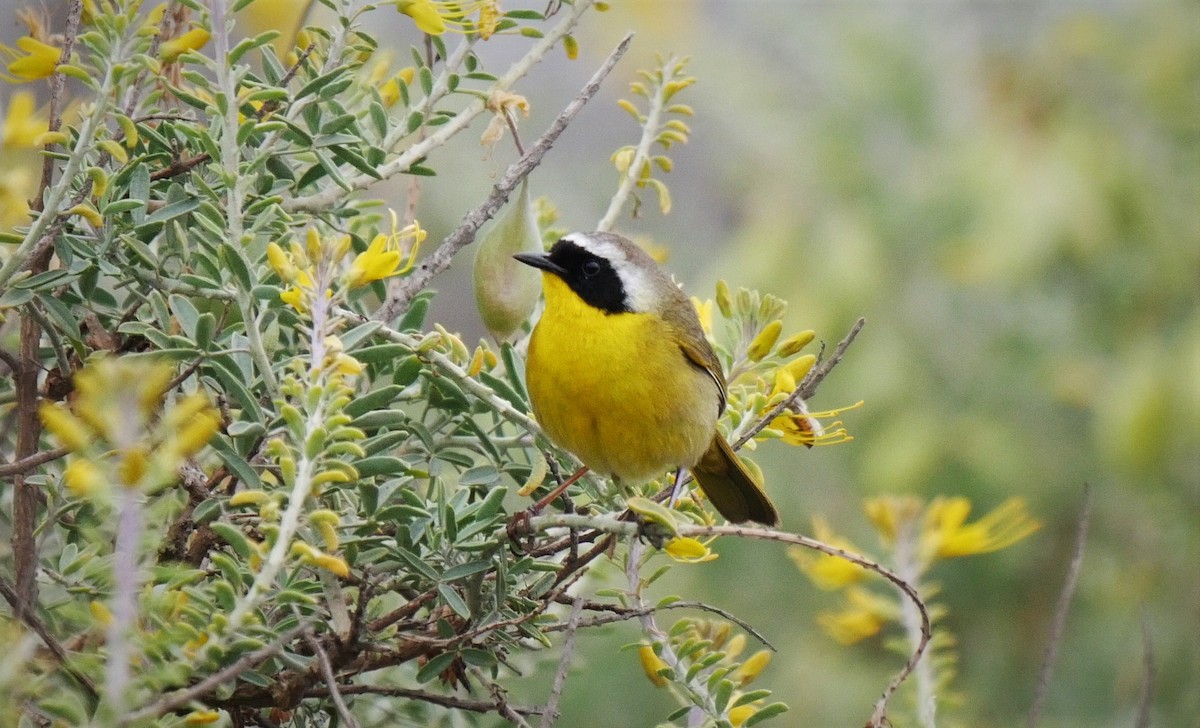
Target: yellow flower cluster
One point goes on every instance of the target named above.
(916, 534)
(311, 268)
(120, 430)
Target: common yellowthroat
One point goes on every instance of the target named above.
(620, 373)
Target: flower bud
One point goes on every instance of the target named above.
(506, 291)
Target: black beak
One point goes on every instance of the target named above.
(541, 260)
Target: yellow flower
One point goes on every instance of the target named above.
(22, 124)
(864, 616)
(83, 478)
(38, 60)
(764, 341)
(739, 715)
(389, 90)
(890, 513)
(72, 433)
(946, 534)
(17, 185)
(652, 664)
(827, 572)
(805, 428)
(377, 262)
(193, 40)
(383, 256)
(437, 16)
(297, 295)
(201, 717)
(687, 550)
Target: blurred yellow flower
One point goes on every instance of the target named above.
(863, 616)
(22, 123)
(946, 534)
(889, 513)
(35, 60)
(827, 572)
(16, 187)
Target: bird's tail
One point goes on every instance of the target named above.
(731, 488)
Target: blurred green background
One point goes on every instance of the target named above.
(1010, 194)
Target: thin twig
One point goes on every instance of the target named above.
(31, 620)
(330, 680)
(564, 666)
(24, 465)
(618, 613)
(1146, 699)
(464, 234)
(1060, 612)
(446, 701)
(182, 697)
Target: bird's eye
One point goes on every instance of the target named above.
(591, 268)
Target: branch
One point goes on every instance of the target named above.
(464, 234)
(180, 698)
(1060, 612)
(446, 701)
(32, 621)
(330, 680)
(564, 665)
(619, 613)
(631, 529)
(26, 464)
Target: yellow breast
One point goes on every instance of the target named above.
(616, 389)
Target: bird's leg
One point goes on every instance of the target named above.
(554, 494)
(677, 488)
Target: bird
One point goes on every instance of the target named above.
(620, 373)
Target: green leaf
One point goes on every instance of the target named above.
(185, 313)
(380, 465)
(435, 667)
(461, 571)
(238, 266)
(769, 711)
(373, 400)
(454, 601)
(173, 210)
(381, 353)
(233, 536)
(236, 463)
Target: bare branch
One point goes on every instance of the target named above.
(24, 465)
(1060, 612)
(330, 680)
(464, 234)
(618, 613)
(446, 701)
(34, 623)
(564, 666)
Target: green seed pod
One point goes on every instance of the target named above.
(506, 291)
